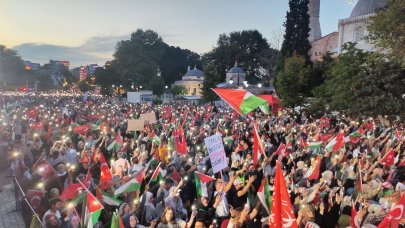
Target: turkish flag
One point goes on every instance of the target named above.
(389, 158)
(340, 141)
(32, 112)
(354, 220)
(82, 129)
(396, 214)
(105, 174)
(281, 149)
(72, 190)
(282, 213)
(315, 173)
(325, 137)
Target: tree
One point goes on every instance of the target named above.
(364, 83)
(12, 72)
(387, 29)
(136, 60)
(210, 81)
(174, 63)
(248, 49)
(292, 80)
(296, 31)
(179, 90)
(106, 77)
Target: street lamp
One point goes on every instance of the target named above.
(140, 87)
(231, 81)
(259, 85)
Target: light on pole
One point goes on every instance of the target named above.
(259, 85)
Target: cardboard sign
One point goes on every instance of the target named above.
(216, 152)
(135, 125)
(149, 117)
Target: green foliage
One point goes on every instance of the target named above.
(292, 80)
(249, 49)
(174, 63)
(85, 85)
(105, 78)
(296, 31)
(387, 29)
(210, 81)
(12, 72)
(362, 83)
(179, 90)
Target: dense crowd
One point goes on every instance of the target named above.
(78, 165)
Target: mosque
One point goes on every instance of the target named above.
(352, 29)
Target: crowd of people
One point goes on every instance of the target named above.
(80, 166)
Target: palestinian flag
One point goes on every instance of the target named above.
(104, 197)
(228, 140)
(258, 148)
(116, 221)
(95, 127)
(242, 101)
(315, 147)
(154, 138)
(264, 195)
(281, 149)
(93, 210)
(131, 186)
(157, 175)
(116, 143)
(201, 181)
(303, 143)
(336, 143)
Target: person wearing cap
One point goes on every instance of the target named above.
(240, 196)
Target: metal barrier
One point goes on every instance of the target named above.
(22, 204)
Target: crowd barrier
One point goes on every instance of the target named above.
(22, 205)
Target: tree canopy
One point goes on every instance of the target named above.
(248, 49)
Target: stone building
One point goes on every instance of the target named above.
(354, 28)
(192, 81)
(323, 45)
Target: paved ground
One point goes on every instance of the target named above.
(9, 217)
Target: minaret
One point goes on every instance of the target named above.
(314, 24)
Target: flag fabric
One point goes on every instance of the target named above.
(324, 122)
(396, 214)
(316, 171)
(105, 174)
(82, 129)
(242, 101)
(158, 174)
(93, 210)
(116, 221)
(340, 142)
(355, 136)
(264, 195)
(32, 112)
(228, 140)
(331, 145)
(389, 158)
(354, 220)
(315, 147)
(106, 198)
(282, 213)
(72, 190)
(281, 149)
(201, 181)
(258, 149)
(38, 126)
(303, 143)
(324, 137)
(154, 138)
(130, 186)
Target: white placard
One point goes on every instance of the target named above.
(216, 151)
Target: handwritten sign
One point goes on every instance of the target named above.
(216, 153)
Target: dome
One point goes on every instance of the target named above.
(364, 7)
(195, 72)
(236, 70)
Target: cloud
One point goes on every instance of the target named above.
(94, 50)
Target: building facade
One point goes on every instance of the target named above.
(323, 45)
(192, 81)
(354, 28)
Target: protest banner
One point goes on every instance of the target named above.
(135, 125)
(216, 152)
